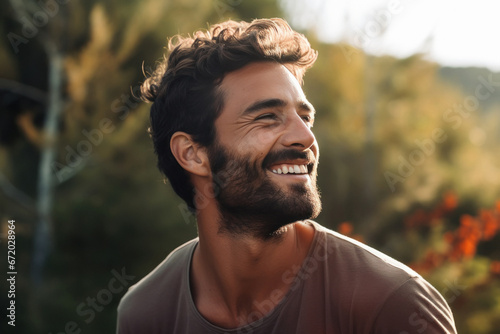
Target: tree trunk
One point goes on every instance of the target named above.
(46, 179)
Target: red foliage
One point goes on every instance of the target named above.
(495, 268)
(347, 229)
(473, 230)
(422, 218)
(464, 240)
(490, 222)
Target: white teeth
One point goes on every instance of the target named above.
(295, 169)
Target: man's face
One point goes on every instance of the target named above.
(265, 156)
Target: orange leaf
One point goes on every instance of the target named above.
(345, 228)
(450, 201)
(495, 267)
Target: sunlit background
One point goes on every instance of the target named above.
(452, 33)
(408, 101)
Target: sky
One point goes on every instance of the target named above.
(456, 33)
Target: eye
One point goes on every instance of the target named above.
(308, 119)
(266, 116)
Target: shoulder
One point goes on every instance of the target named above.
(382, 291)
(354, 255)
(416, 307)
(161, 286)
(357, 271)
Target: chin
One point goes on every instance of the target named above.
(271, 217)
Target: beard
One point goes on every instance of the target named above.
(251, 203)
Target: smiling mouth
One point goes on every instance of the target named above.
(290, 169)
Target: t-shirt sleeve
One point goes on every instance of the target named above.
(122, 326)
(416, 307)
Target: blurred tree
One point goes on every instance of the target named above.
(46, 140)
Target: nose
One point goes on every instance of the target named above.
(298, 133)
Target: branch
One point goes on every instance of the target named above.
(30, 92)
(26, 124)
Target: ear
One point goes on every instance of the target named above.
(189, 154)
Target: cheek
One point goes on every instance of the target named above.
(261, 141)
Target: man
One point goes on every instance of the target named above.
(232, 130)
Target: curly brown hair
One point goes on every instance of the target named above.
(184, 88)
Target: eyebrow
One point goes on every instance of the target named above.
(273, 103)
(306, 106)
(264, 104)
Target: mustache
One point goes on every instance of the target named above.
(289, 154)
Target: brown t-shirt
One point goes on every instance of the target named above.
(342, 287)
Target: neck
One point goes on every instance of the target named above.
(237, 274)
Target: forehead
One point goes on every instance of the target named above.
(259, 81)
